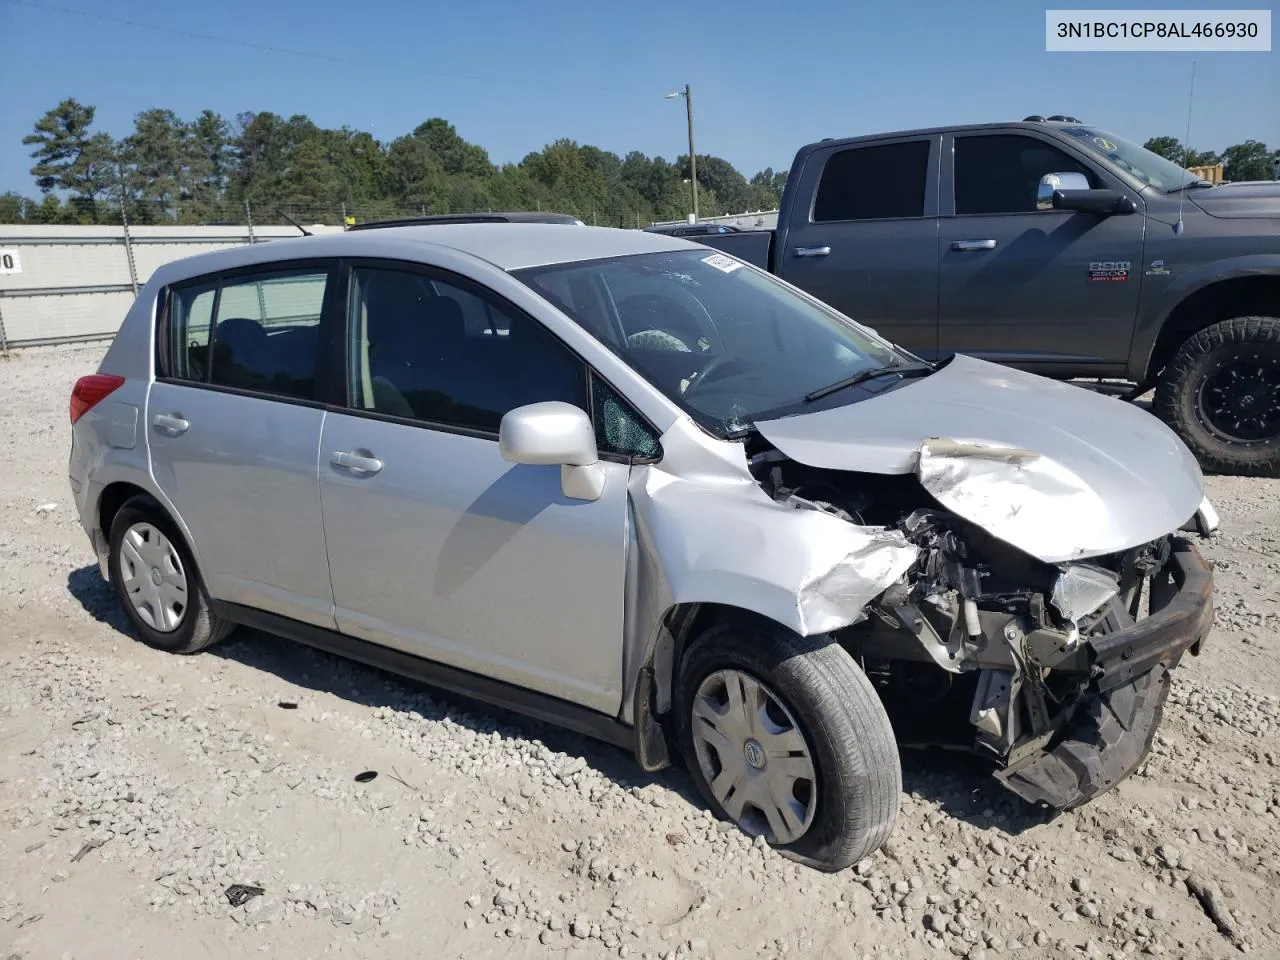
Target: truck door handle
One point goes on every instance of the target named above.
(967, 245)
(171, 422)
(356, 462)
(812, 251)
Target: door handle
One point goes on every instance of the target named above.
(172, 422)
(356, 462)
(812, 251)
(967, 245)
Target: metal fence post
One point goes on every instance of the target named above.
(4, 341)
(248, 218)
(128, 248)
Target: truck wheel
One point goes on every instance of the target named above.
(157, 582)
(1221, 394)
(785, 736)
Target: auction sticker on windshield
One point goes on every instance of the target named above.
(721, 262)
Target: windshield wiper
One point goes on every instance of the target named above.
(903, 370)
(1191, 183)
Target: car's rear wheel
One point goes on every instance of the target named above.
(1221, 394)
(785, 736)
(155, 577)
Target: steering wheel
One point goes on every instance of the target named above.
(712, 371)
(646, 311)
(688, 322)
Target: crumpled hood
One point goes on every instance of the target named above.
(1058, 471)
(1257, 198)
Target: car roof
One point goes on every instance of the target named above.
(936, 131)
(676, 228)
(507, 246)
(514, 216)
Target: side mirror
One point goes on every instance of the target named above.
(1052, 182)
(1071, 191)
(553, 432)
(1102, 202)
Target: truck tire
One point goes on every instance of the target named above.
(155, 577)
(810, 762)
(1221, 394)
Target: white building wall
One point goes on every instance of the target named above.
(74, 282)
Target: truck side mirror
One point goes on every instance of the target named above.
(1071, 191)
(1051, 182)
(1102, 202)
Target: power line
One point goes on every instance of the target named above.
(308, 54)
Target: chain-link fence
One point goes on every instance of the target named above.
(73, 279)
(306, 211)
(64, 283)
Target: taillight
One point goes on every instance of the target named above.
(88, 391)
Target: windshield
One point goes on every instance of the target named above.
(728, 343)
(1142, 163)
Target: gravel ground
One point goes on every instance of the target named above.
(136, 786)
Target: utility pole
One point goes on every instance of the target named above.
(687, 93)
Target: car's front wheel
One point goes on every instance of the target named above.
(785, 736)
(1221, 394)
(156, 579)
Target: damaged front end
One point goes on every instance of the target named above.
(1057, 671)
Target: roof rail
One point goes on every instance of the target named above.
(519, 216)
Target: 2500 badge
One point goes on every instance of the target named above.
(1108, 270)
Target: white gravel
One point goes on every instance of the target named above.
(135, 787)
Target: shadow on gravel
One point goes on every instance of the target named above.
(312, 669)
(98, 599)
(963, 787)
(960, 784)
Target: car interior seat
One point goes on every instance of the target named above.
(241, 353)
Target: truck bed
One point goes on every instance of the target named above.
(753, 246)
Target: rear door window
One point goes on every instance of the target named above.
(882, 182)
(257, 332)
(190, 322)
(266, 337)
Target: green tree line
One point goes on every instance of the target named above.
(205, 170)
(1242, 161)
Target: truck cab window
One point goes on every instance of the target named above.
(874, 183)
(999, 174)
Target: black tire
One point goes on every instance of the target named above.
(1185, 396)
(198, 627)
(852, 746)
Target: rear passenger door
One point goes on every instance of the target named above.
(868, 244)
(233, 424)
(437, 545)
(1025, 286)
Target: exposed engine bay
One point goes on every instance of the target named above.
(1056, 672)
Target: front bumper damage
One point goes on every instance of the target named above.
(1110, 731)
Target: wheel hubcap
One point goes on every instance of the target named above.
(1240, 401)
(153, 578)
(753, 755)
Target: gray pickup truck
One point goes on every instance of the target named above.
(1054, 247)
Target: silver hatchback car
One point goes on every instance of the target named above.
(643, 490)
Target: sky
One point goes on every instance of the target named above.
(514, 75)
